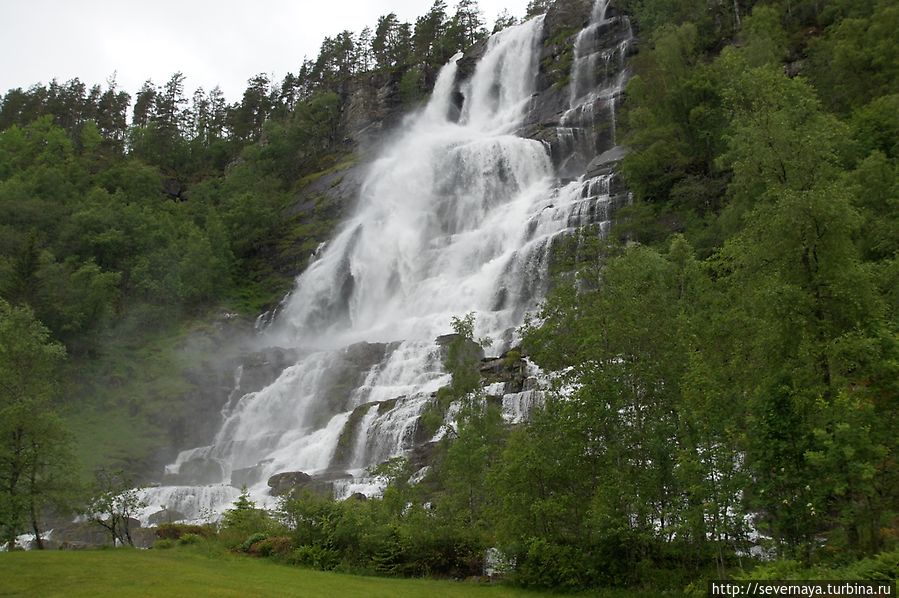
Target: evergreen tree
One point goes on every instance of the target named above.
(144, 104)
(471, 21)
(383, 44)
(503, 20)
(429, 31)
(364, 55)
(536, 7)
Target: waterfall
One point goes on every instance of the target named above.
(598, 77)
(455, 216)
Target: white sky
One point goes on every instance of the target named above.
(212, 42)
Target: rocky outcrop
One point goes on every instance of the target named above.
(288, 481)
(248, 476)
(196, 472)
(563, 21)
(422, 455)
(373, 105)
(571, 138)
(282, 484)
(347, 374)
(466, 65)
(261, 368)
(346, 444)
(165, 516)
(470, 349)
(510, 369)
(82, 535)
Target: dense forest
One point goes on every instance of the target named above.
(726, 360)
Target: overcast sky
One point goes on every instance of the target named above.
(213, 42)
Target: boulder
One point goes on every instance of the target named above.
(166, 516)
(248, 476)
(285, 482)
(323, 483)
(366, 355)
(332, 475)
(493, 366)
(472, 350)
(196, 472)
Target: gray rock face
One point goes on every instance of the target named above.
(422, 455)
(286, 482)
(322, 484)
(339, 188)
(510, 369)
(79, 536)
(567, 15)
(261, 368)
(343, 455)
(374, 106)
(466, 65)
(365, 355)
(247, 476)
(572, 139)
(445, 340)
(165, 516)
(199, 472)
(564, 19)
(347, 374)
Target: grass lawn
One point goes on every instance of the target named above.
(191, 573)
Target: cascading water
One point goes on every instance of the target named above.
(598, 77)
(455, 217)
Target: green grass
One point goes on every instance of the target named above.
(191, 573)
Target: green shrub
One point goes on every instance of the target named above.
(884, 566)
(276, 546)
(247, 544)
(174, 531)
(550, 565)
(245, 520)
(189, 539)
(435, 412)
(316, 557)
(513, 356)
(164, 544)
